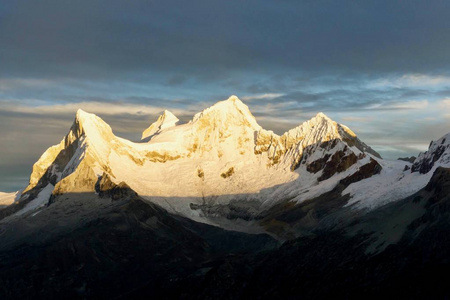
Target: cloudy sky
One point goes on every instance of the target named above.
(380, 67)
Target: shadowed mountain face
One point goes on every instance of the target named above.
(221, 208)
(411, 260)
(133, 249)
(108, 246)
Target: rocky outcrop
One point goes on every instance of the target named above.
(105, 187)
(227, 173)
(366, 171)
(339, 162)
(440, 183)
(318, 164)
(438, 151)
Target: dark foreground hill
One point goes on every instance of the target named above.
(130, 249)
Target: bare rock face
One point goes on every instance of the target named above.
(326, 148)
(440, 183)
(337, 157)
(105, 187)
(426, 163)
(339, 162)
(366, 171)
(318, 164)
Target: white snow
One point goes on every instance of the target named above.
(40, 201)
(390, 185)
(393, 183)
(166, 120)
(224, 139)
(319, 128)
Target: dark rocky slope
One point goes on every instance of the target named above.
(108, 246)
(130, 249)
(341, 264)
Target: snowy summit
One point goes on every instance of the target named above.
(221, 157)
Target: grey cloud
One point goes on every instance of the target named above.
(176, 80)
(344, 100)
(100, 39)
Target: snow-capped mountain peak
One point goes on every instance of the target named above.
(318, 129)
(165, 120)
(90, 124)
(222, 155)
(322, 129)
(227, 113)
(87, 144)
(322, 116)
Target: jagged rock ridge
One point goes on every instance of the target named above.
(438, 153)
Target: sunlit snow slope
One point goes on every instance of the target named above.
(222, 157)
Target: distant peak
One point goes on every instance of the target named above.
(80, 111)
(82, 117)
(233, 109)
(234, 101)
(81, 114)
(88, 123)
(321, 126)
(165, 120)
(234, 98)
(321, 115)
(169, 116)
(167, 113)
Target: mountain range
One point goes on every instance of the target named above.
(221, 208)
